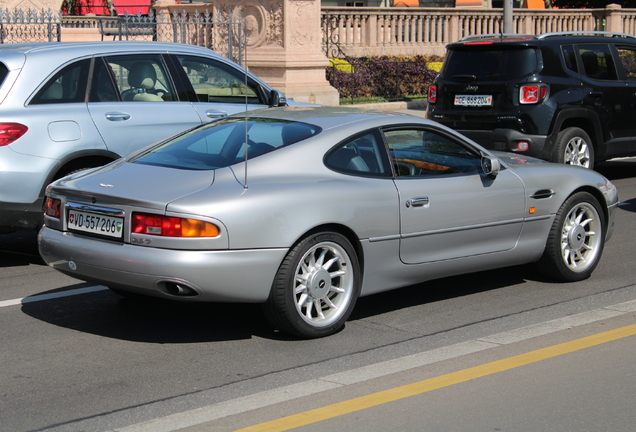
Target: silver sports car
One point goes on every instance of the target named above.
(304, 209)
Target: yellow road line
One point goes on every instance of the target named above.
(397, 393)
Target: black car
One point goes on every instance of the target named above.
(566, 97)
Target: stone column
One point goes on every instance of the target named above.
(284, 46)
(614, 20)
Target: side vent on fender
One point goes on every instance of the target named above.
(542, 194)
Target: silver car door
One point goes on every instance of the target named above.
(220, 88)
(59, 123)
(133, 102)
(448, 207)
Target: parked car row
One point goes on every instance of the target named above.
(159, 185)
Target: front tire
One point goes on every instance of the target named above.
(574, 147)
(316, 287)
(576, 240)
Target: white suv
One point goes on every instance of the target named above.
(65, 107)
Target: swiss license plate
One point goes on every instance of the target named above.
(95, 223)
(473, 100)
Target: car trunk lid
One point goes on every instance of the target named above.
(123, 183)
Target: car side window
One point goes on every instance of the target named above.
(422, 153)
(627, 58)
(569, 54)
(142, 78)
(66, 86)
(364, 154)
(597, 61)
(103, 87)
(215, 81)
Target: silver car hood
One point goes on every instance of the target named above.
(133, 184)
(514, 159)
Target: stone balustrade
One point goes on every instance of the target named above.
(412, 31)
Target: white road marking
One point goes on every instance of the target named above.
(59, 294)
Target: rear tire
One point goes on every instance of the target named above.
(574, 147)
(316, 287)
(576, 240)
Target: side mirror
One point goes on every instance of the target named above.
(277, 98)
(490, 165)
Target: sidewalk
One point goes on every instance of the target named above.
(416, 108)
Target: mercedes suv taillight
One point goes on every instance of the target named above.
(10, 132)
(432, 93)
(532, 93)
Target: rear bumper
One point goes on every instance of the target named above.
(219, 276)
(20, 216)
(507, 140)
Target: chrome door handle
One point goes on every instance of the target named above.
(419, 202)
(215, 114)
(114, 116)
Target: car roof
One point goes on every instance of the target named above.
(552, 37)
(328, 117)
(79, 49)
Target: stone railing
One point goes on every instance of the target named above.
(410, 31)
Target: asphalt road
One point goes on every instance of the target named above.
(77, 357)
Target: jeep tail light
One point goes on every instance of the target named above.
(532, 93)
(52, 207)
(523, 146)
(166, 226)
(10, 132)
(432, 93)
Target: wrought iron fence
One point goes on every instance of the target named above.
(18, 25)
(202, 29)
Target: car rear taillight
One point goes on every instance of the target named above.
(432, 93)
(166, 226)
(10, 132)
(52, 207)
(532, 93)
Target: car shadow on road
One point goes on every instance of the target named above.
(444, 289)
(617, 169)
(19, 249)
(159, 321)
(150, 320)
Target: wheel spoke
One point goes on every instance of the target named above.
(337, 273)
(302, 299)
(331, 262)
(318, 307)
(329, 303)
(337, 290)
(321, 259)
(309, 304)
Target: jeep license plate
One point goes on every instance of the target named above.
(473, 100)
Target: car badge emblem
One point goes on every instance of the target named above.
(472, 88)
(104, 185)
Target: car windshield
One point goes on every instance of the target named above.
(491, 63)
(222, 143)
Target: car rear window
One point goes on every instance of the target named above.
(490, 63)
(222, 143)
